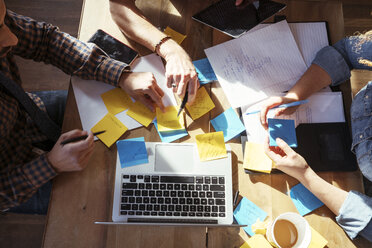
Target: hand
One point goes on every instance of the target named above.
(243, 3)
(286, 159)
(142, 86)
(273, 102)
(72, 156)
(180, 71)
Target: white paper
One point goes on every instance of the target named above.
(258, 64)
(91, 106)
(322, 107)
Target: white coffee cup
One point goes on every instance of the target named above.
(301, 225)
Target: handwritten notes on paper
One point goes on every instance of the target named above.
(205, 71)
(229, 123)
(255, 158)
(168, 137)
(169, 121)
(317, 240)
(116, 100)
(114, 129)
(247, 213)
(141, 113)
(202, 104)
(174, 35)
(257, 241)
(211, 146)
(304, 200)
(284, 129)
(132, 152)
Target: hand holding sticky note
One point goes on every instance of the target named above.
(284, 129)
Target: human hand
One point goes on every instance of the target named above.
(179, 70)
(286, 159)
(142, 86)
(72, 156)
(242, 3)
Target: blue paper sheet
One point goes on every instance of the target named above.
(205, 71)
(132, 152)
(168, 137)
(247, 213)
(304, 200)
(229, 123)
(284, 129)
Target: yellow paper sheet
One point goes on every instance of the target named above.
(168, 121)
(317, 240)
(256, 159)
(116, 100)
(211, 146)
(114, 129)
(202, 104)
(141, 113)
(256, 241)
(177, 37)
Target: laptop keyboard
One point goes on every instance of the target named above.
(173, 196)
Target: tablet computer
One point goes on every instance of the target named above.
(236, 20)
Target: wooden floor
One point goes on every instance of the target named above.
(27, 231)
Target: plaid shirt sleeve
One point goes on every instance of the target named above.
(18, 185)
(43, 42)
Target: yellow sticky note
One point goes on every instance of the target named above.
(211, 146)
(169, 121)
(257, 241)
(256, 159)
(202, 104)
(116, 100)
(317, 240)
(141, 113)
(260, 226)
(114, 129)
(174, 35)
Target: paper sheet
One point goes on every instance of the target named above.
(211, 146)
(132, 152)
(174, 35)
(258, 64)
(169, 121)
(202, 104)
(255, 158)
(284, 129)
(116, 100)
(304, 200)
(141, 113)
(229, 123)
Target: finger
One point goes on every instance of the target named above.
(181, 90)
(270, 103)
(81, 145)
(147, 102)
(72, 134)
(284, 146)
(176, 81)
(269, 151)
(154, 96)
(169, 80)
(238, 2)
(193, 87)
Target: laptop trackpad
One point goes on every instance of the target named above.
(174, 158)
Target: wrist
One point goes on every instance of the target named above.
(307, 176)
(160, 44)
(168, 49)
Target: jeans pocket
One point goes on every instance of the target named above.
(363, 153)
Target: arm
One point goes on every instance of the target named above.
(179, 67)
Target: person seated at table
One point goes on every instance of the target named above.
(25, 171)
(332, 66)
(179, 69)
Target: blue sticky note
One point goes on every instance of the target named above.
(132, 152)
(168, 137)
(304, 200)
(229, 123)
(284, 129)
(247, 213)
(205, 71)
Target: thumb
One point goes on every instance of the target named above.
(284, 146)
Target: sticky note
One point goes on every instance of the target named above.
(304, 200)
(141, 113)
(205, 71)
(211, 146)
(284, 129)
(174, 35)
(168, 137)
(229, 123)
(116, 100)
(202, 104)
(260, 226)
(132, 152)
(317, 240)
(257, 241)
(114, 129)
(169, 121)
(247, 213)
(256, 159)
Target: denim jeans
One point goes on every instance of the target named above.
(55, 102)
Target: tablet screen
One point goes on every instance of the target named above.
(236, 20)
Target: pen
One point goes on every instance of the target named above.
(183, 103)
(286, 105)
(236, 197)
(83, 137)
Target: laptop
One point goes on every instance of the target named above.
(174, 188)
(237, 20)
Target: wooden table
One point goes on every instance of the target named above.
(80, 198)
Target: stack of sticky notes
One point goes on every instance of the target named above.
(205, 71)
(256, 159)
(132, 152)
(211, 146)
(170, 127)
(304, 200)
(284, 129)
(229, 123)
(202, 104)
(174, 35)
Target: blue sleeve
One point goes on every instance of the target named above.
(355, 215)
(345, 55)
